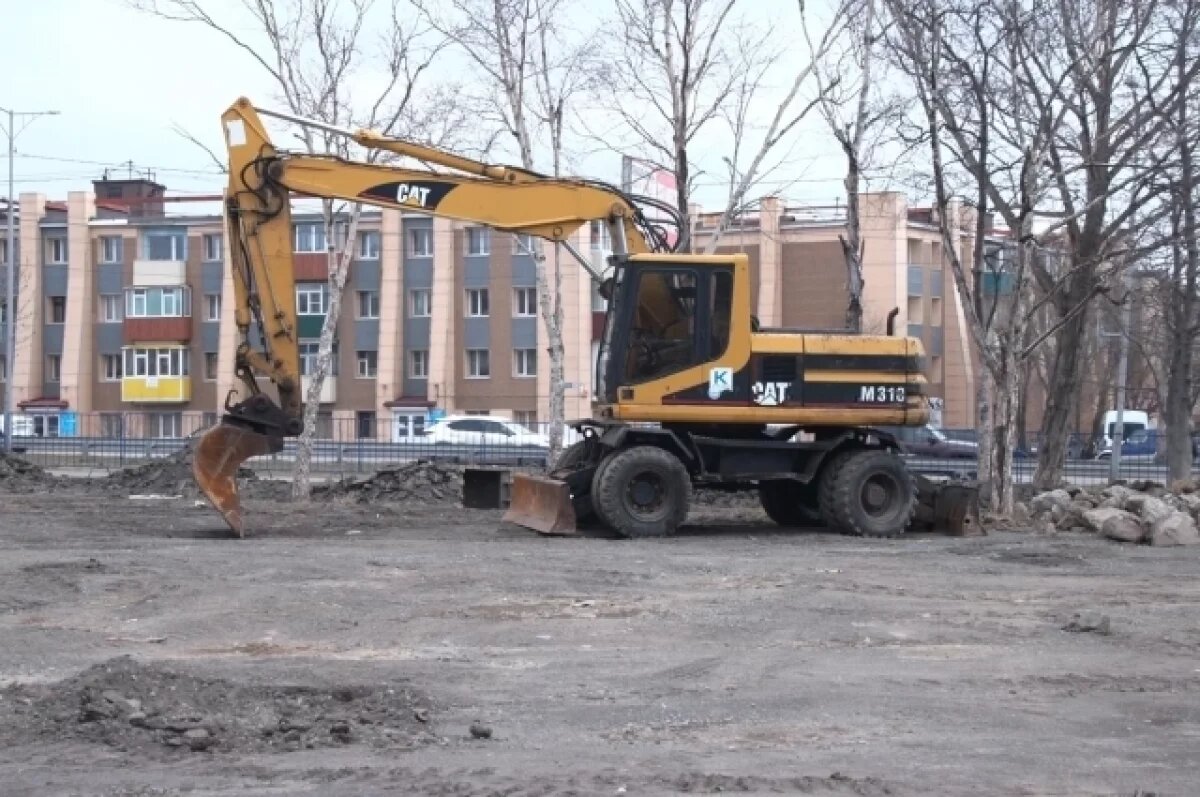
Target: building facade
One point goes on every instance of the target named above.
(125, 324)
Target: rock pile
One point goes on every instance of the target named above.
(1140, 512)
(420, 481)
(171, 475)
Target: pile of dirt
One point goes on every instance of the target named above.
(1136, 512)
(19, 475)
(421, 481)
(172, 475)
(142, 707)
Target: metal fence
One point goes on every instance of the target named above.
(100, 442)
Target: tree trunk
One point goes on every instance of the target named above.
(1065, 382)
(339, 270)
(550, 305)
(852, 247)
(1178, 411)
(1006, 406)
(986, 423)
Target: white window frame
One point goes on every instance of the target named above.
(420, 242)
(3, 368)
(368, 245)
(524, 244)
(525, 302)
(427, 301)
(50, 310)
(418, 357)
(309, 236)
(478, 241)
(526, 418)
(215, 359)
(111, 367)
(180, 297)
(308, 290)
(178, 245)
(110, 302)
(478, 364)
(523, 360)
(212, 307)
(372, 300)
(53, 368)
(212, 246)
(112, 249)
(478, 303)
(56, 250)
(368, 363)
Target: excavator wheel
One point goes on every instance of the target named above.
(790, 503)
(642, 491)
(868, 493)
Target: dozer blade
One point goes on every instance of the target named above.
(541, 504)
(215, 462)
(948, 508)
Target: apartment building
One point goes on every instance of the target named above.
(125, 326)
(799, 281)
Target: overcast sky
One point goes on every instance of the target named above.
(122, 80)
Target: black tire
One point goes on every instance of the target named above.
(790, 503)
(642, 492)
(571, 457)
(868, 493)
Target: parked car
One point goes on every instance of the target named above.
(928, 441)
(483, 431)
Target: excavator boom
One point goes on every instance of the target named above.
(262, 182)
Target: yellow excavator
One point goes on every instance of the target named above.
(690, 392)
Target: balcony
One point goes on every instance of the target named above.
(156, 389)
(328, 389)
(158, 273)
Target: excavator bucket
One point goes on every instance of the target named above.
(541, 504)
(215, 462)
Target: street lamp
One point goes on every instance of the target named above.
(10, 310)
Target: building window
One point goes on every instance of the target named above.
(3, 312)
(110, 308)
(173, 361)
(308, 358)
(112, 249)
(170, 245)
(524, 362)
(111, 424)
(478, 366)
(158, 302)
(419, 303)
(58, 310)
(310, 237)
(523, 244)
(365, 424)
(3, 368)
(212, 307)
(53, 367)
(477, 240)
(367, 364)
(211, 361)
(368, 304)
(420, 242)
(524, 301)
(526, 418)
(164, 424)
(310, 298)
(418, 364)
(599, 234)
(368, 245)
(56, 250)
(477, 301)
(110, 367)
(212, 247)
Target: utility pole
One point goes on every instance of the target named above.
(10, 308)
(1114, 462)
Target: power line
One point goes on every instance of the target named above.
(119, 164)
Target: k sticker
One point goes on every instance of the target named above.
(720, 381)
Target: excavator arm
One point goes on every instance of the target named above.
(262, 181)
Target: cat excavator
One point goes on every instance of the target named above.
(691, 392)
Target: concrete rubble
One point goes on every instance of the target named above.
(1138, 512)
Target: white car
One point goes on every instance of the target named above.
(484, 431)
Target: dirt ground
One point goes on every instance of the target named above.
(351, 648)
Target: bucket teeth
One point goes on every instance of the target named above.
(215, 462)
(541, 504)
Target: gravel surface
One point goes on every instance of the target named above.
(734, 657)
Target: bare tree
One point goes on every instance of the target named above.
(312, 50)
(846, 81)
(984, 138)
(1103, 161)
(532, 72)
